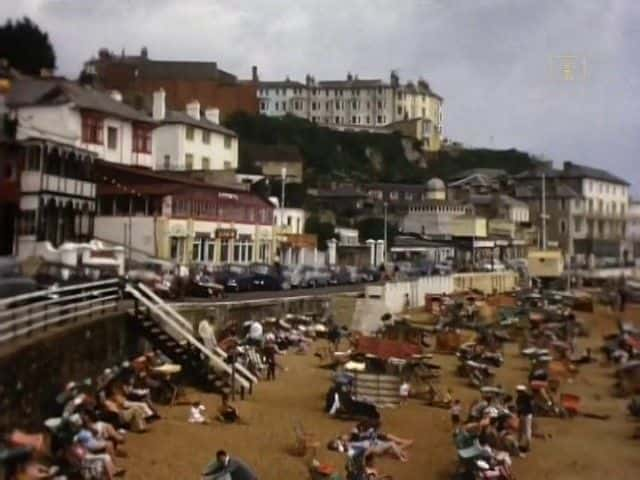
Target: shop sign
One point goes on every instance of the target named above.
(226, 233)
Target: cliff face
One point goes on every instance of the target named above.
(366, 157)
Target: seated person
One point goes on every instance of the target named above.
(196, 413)
(131, 417)
(118, 395)
(227, 413)
(136, 391)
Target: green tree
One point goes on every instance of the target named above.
(26, 47)
(373, 228)
(324, 230)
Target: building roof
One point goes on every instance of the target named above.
(338, 192)
(258, 153)
(166, 69)
(176, 116)
(354, 83)
(552, 189)
(407, 241)
(401, 187)
(281, 84)
(32, 91)
(479, 199)
(573, 170)
(159, 183)
(485, 172)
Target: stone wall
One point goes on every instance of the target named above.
(31, 376)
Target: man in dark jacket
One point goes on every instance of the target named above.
(524, 407)
(224, 467)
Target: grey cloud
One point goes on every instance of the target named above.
(491, 59)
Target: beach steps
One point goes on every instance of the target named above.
(381, 390)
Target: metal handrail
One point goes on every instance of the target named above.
(87, 311)
(57, 308)
(51, 301)
(188, 327)
(219, 363)
(52, 291)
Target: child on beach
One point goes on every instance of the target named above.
(456, 411)
(405, 389)
(196, 413)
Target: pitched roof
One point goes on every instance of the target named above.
(552, 189)
(32, 91)
(148, 181)
(574, 170)
(487, 172)
(280, 84)
(176, 116)
(354, 83)
(338, 192)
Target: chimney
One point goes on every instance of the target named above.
(116, 95)
(193, 109)
(144, 53)
(395, 80)
(213, 115)
(349, 77)
(254, 73)
(159, 106)
(307, 80)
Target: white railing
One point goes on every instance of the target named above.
(176, 316)
(25, 314)
(176, 329)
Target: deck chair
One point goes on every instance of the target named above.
(305, 442)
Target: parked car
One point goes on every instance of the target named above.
(266, 277)
(235, 278)
(306, 276)
(157, 275)
(12, 281)
(343, 275)
(368, 274)
(203, 283)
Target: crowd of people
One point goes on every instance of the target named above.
(90, 421)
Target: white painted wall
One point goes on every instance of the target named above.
(633, 221)
(293, 218)
(170, 139)
(63, 124)
(112, 229)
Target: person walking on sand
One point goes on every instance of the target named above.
(524, 407)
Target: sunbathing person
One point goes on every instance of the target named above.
(370, 430)
(367, 447)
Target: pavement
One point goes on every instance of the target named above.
(268, 295)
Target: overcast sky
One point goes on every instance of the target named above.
(497, 63)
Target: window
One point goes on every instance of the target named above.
(227, 142)
(353, 119)
(288, 220)
(206, 137)
(28, 222)
(563, 226)
(195, 255)
(92, 129)
(205, 163)
(227, 165)
(112, 138)
(176, 248)
(191, 133)
(337, 119)
(188, 161)
(33, 159)
(368, 119)
(313, 105)
(263, 106)
(399, 110)
(277, 106)
(393, 195)
(167, 162)
(379, 120)
(141, 139)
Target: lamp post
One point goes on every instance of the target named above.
(282, 193)
(384, 256)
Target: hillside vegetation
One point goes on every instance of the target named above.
(361, 156)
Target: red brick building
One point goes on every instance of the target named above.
(138, 76)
